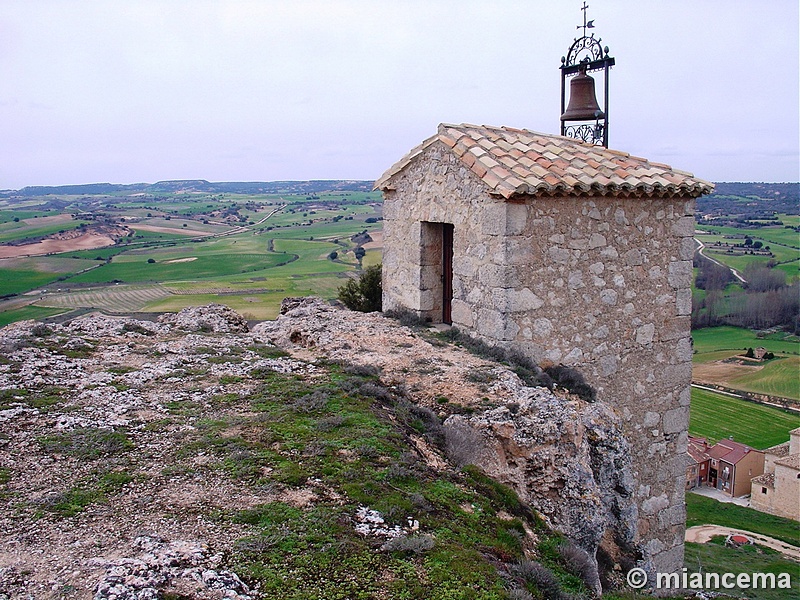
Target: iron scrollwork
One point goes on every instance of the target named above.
(584, 49)
(592, 134)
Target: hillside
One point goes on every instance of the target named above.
(194, 185)
(193, 458)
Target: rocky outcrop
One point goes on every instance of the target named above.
(183, 569)
(214, 318)
(160, 387)
(566, 458)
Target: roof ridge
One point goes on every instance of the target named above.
(512, 161)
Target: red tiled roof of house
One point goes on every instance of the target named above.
(697, 449)
(729, 451)
(521, 162)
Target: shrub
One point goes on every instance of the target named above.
(541, 577)
(572, 380)
(41, 330)
(87, 442)
(364, 294)
(462, 444)
(409, 544)
(579, 563)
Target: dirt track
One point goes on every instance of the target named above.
(703, 533)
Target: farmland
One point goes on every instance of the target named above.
(717, 416)
(718, 360)
(178, 248)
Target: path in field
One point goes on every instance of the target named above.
(701, 246)
(701, 534)
(114, 299)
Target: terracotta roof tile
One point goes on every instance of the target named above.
(767, 479)
(779, 450)
(792, 461)
(544, 164)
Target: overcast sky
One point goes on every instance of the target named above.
(130, 91)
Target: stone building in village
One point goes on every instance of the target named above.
(777, 490)
(573, 254)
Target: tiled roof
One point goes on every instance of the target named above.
(767, 479)
(779, 450)
(792, 461)
(517, 161)
(730, 451)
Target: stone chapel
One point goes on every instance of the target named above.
(574, 254)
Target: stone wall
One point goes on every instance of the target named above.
(598, 283)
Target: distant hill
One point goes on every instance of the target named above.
(751, 200)
(196, 185)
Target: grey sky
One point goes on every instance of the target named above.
(134, 90)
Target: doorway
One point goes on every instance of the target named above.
(436, 271)
(447, 272)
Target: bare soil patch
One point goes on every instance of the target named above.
(721, 373)
(86, 241)
(55, 219)
(377, 241)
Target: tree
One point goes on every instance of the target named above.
(333, 255)
(360, 253)
(363, 294)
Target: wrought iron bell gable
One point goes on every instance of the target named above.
(585, 55)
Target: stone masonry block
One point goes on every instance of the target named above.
(683, 302)
(680, 274)
(676, 420)
(684, 227)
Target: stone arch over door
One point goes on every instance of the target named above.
(436, 271)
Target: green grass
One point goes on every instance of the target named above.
(713, 339)
(16, 282)
(702, 510)
(716, 416)
(238, 270)
(778, 377)
(96, 490)
(349, 433)
(25, 231)
(714, 557)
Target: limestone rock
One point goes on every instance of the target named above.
(213, 318)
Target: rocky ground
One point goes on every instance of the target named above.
(111, 483)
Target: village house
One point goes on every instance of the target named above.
(777, 490)
(727, 465)
(572, 254)
(697, 461)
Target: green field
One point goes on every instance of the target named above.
(702, 510)
(715, 557)
(784, 244)
(717, 416)
(715, 339)
(27, 312)
(253, 252)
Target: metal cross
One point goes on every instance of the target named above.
(586, 24)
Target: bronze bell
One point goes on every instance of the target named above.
(582, 101)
